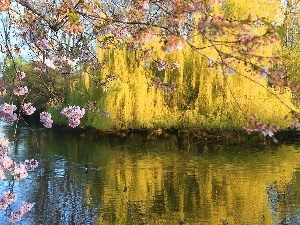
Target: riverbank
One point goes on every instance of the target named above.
(188, 137)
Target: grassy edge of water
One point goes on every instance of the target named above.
(187, 137)
(190, 135)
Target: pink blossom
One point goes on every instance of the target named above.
(28, 108)
(11, 118)
(168, 88)
(294, 87)
(20, 75)
(268, 132)
(2, 91)
(174, 65)
(246, 38)
(15, 217)
(25, 207)
(265, 72)
(7, 112)
(120, 32)
(6, 199)
(6, 163)
(31, 164)
(20, 172)
(173, 43)
(70, 62)
(256, 125)
(20, 90)
(7, 108)
(45, 118)
(47, 62)
(74, 122)
(3, 204)
(2, 175)
(4, 143)
(43, 43)
(144, 36)
(3, 153)
(74, 114)
(9, 197)
(161, 65)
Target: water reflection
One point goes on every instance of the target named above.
(165, 180)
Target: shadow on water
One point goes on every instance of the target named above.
(152, 177)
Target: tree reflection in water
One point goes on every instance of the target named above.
(158, 181)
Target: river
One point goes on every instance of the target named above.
(153, 179)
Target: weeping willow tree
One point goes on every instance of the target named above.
(138, 94)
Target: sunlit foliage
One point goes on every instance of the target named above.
(152, 94)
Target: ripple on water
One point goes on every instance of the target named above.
(142, 181)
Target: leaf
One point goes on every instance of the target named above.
(246, 21)
(267, 23)
(73, 17)
(281, 31)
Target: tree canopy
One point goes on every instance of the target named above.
(61, 40)
(63, 36)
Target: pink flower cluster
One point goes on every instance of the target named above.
(74, 114)
(67, 61)
(5, 161)
(45, 118)
(278, 79)
(56, 62)
(161, 65)
(264, 73)
(2, 91)
(31, 164)
(7, 112)
(47, 62)
(20, 75)
(6, 199)
(6, 164)
(256, 125)
(173, 43)
(28, 108)
(164, 86)
(91, 106)
(294, 119)
(21, 90)
(18, 171)
(119, 32)
(3, 146)
(43, 44)
(24, 208)
(145, 35)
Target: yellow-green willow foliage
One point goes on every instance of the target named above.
(204, 97)
(271, 10)
(218, 186)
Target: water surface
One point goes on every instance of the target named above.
(156, 179)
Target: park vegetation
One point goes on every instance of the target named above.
(123, 64)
